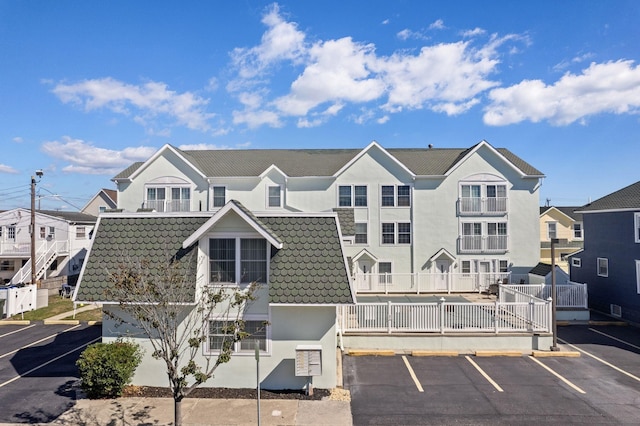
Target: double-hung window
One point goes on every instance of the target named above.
(636, 218)
(274, 196)
(222, 334)
(552, 229)
(81, 232)
(11, 233)
(219, 196)
(603, 267)
(352, 196)
(237, 260)
(395, 196)
(396, 232)
(577, 231)
(361, 236)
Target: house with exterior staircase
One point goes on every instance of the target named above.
(321, 228)
(62, 240)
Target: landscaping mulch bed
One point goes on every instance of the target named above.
(227, 393)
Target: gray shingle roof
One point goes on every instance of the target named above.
(567, 210)
(70, 216)
(323, 162)
(625, 198)
(119, 239)
(309, 269)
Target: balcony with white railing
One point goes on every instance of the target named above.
(476, 206)
(483, 243)
(418, 283)
(183, 205)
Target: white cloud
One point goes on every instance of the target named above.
(254, 118)
(18, 139)
(611, 87)
(144, 102)
(7, 169)
(407, 34)
(437, 25)
(477, 31)
(338, 71)
(88, 159)
(202, 147)
(385, 22)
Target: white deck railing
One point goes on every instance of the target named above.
(445, 317)
(427, 282)
(572, 295)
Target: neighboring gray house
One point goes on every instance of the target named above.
(610, 260)
(299, 254)
(105, 199)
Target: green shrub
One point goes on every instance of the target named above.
(106, 368)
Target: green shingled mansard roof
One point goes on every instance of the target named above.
(323, 162)
(309, 269)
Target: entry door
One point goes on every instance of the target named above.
(442, 279)
(484, 269)
(366, 277)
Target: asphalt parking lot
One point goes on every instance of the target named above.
(37, 369)
(602, 386)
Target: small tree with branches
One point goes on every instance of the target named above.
(163, 302)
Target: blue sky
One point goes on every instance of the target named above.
(89, 87)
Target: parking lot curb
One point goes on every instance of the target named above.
(15, 322)
(498, 353)
(620, 323)
(371, 352)
(61, 322)
(559, 354)
(434, 353)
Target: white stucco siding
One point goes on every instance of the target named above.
(167, 167)
(289, 327)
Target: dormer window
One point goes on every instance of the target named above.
(237, 260)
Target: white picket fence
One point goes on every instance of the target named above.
(446, 317)
(18, 299)
(572, 295)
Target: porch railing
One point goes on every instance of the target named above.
(572, 295)
(427, 282)
(168, 205)
(445, 317)
(477, 205)
(483, 243)
(46, 253)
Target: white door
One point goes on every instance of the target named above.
(364, 273)
(442, 278)
(484, 269)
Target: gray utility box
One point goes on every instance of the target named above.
(308, 360)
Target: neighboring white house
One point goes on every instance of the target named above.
(333, 223)
(62, 240)
(105, 199)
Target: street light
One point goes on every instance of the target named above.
(39, 174)
(554, 323)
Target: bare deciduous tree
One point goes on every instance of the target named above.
(162, 301)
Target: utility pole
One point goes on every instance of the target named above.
(33, 225)
(554, 322)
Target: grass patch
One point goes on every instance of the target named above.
(57, 305)
(91, 315)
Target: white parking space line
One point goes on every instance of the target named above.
(618, 369)
(412, 374)
(17, 331)
(485, 375)
(568, 383)
(38, 341)
(615, 338)
(49, 362)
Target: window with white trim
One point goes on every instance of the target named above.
(577, 230)
(219, 196)
(503, 266)
(352, 196)
(636, 218)
(396, 232)
(362, 233)
(576, 262)
(465, 266)
(638, 276)
(552, 230)
(395, 196)
(81, 233)
(483, 198)
(11, 232)
(384, 272)
(237, 260)
(222, 333)
(7, 265)
(157, 198)
(274, 196)
(43, 232)
(603, 267)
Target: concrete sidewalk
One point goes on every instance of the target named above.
(195, 411)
